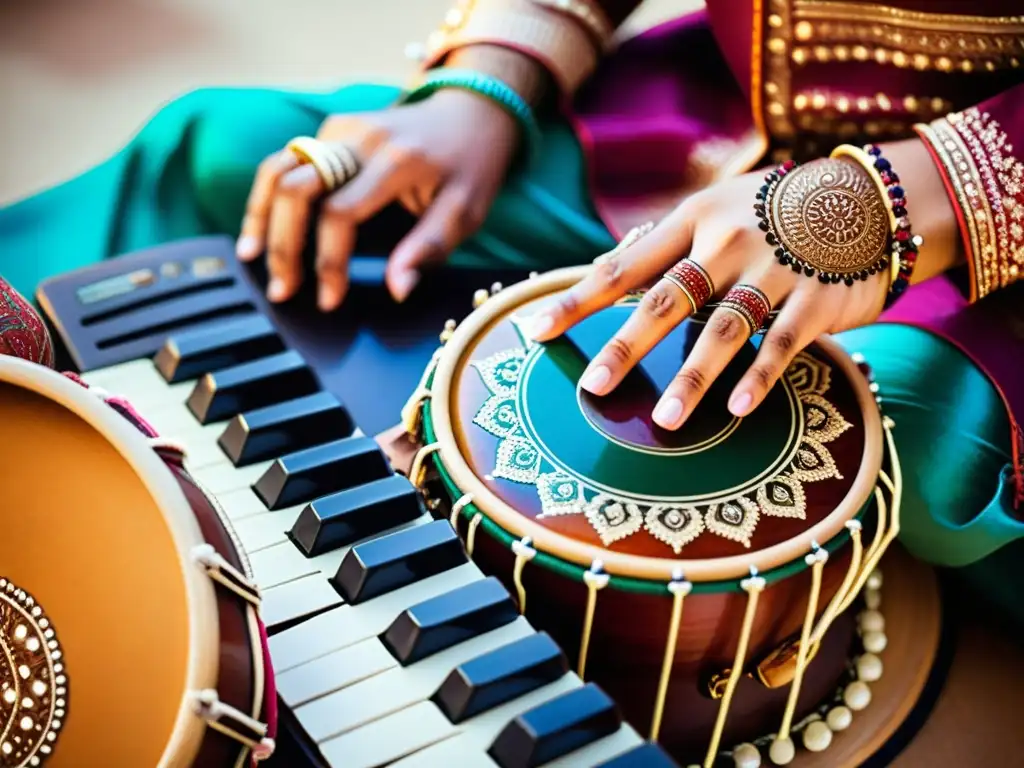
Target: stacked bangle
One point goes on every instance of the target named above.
(905, 242)
(489, 87)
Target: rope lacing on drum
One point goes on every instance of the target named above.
(679, 588)
(524, 552)
(753, 586)
(225, 574)
(816, 561)
(233, 723)
(596, 579)
(464, 501)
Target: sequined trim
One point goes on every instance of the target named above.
(987, 180)
(733, 516)
(842, 31)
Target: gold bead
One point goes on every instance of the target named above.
(923, 40)
(821, 53)
(800, 101)
(480, 296)
(800, 55)
(777, 45)
(819, 101)
(771, 87)
(883, 102)
(944, 63)
(775, 108)
(881, 55)
(841, 52)
(803, 30)
(990, 66)
(897, 37)
(863, 103)
(774, 20)
(921, 61)
(982, 45)
(843, 104)
(910, 103)
(860, 53)
(900, 59)
(938, 105)
(872, 128)
(966, 65)
(1014, 62)
(961, 42)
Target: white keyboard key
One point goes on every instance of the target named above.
(390, 739)
(259, 532)
(351, 624)
(224, 477)
(599, 751)
(450, 752)
(140, 383)
(398, 688)
(292, 601)
(240, 504)
(333, 672)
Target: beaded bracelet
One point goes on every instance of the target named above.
(905, 242)
(488, 87)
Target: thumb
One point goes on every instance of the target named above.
(456, 213)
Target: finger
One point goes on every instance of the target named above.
(614, 277)
(372, 189)
(661, 309)
(725, 333)
(456, 213)
(802, 320)
(289, 223)
(253, 236)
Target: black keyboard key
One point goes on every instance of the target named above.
(555, 728)
(449, 619)
(504, 674)
(191, 354)
(285, 428)
(356, 514)
(646, 755)
(252, 385)
(305, 475)
(397, 560)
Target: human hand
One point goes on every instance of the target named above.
(443, 159)
(719, 230)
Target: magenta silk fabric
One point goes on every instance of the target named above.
(22, 332)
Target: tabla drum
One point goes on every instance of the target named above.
(702, 577)
(129, 628)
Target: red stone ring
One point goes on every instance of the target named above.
(748, 302)
(694, 281)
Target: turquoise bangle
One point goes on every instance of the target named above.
(489, 87)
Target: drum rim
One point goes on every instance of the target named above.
(452, 359)
(186, 737)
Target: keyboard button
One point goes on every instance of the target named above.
(306, 597)
(252, 385)
(446, 620)
(389, 739)
(393, 561)
(348, 625)
(190, 355)
(285, 428)
(140, 384)
(333, 672)
(647, 755)
(222, 478)
(500, 676)
(259, 532)
(306, 475)
(556, 728)
(355, 514)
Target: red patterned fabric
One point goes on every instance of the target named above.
(22, 332)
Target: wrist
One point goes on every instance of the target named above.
(521, 73)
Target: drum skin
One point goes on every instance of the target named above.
(140, 626)
(592, 480)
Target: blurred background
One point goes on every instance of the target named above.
(79, 77)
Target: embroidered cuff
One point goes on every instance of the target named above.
(986, 183)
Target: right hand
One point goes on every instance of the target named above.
(444, 159)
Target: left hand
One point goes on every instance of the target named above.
(718, 229)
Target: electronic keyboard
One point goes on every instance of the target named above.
(390, 646)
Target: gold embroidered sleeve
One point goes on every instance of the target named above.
(985, 180)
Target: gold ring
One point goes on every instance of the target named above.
(336, 165)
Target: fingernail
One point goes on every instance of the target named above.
(276, 289)
(327, 298)
(247, 248)
(596, 380)
(402, 285)
(538, 325)
(669, 413)
(740, 403)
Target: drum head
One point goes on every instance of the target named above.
(593, 478)
(97, 614)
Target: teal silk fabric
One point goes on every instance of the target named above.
(188, 172)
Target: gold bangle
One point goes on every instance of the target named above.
(589, 15)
